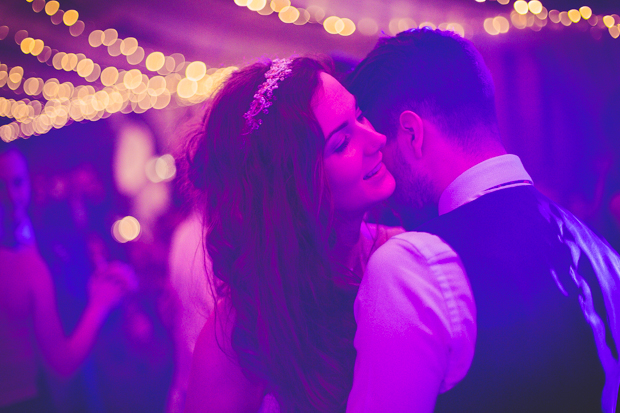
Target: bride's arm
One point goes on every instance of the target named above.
(217, 383)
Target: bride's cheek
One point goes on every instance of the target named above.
(350, 152)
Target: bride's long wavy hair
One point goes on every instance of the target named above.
(267, 220)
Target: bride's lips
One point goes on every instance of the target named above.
(374, 171)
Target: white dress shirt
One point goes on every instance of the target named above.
(504, 171)
(415, 310)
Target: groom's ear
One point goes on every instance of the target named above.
(411, 131)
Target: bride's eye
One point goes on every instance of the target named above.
(343, 145)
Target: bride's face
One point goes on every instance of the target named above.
(357, 177)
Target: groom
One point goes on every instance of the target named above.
(546, 289)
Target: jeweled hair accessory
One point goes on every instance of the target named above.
(263, 98)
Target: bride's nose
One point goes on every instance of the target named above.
(375, 141)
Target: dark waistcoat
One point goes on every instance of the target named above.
(540, 280)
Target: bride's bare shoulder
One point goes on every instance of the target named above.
(216, 378)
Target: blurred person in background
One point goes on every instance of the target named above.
(76, 201)
(609, 221)
(29, 318)
(190, 279)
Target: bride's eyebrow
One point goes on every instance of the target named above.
(343, 124)
(338, 128)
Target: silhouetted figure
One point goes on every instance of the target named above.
(28, 313)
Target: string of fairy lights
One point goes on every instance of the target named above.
(174, 81)
(525, 14)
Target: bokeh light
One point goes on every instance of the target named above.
(393, 26)
(593, 20)
(56, 19)
(77, 29)
(94, 75)
(126, 229)
(554, 16)
(256, 5)
(136, 57)
(85, 67)
(50, 89)
(179, 61)
(586, 12)
(278, 5)
(16, 74)
(38, 47)
(564, 19)
(129, 46)
(534, 6)
(456, 28)
(304, 17)
(518, 20)
(22, 34)
(51, 7)
(161, 169)
(265, 11)
(543, 14)
(155, 61)
(109, 37)
(70, 17)
(33, 86)
(521, 7)
(115, 48)
(406, 24)
(132, 79)
(608, 21)
(367, 26)
(45, 54)
(348, 27)
(196, 71)
(109, 76)
(69, 62)
(156, 86)
(501, 24)
(187, 88)
(317, 14)
(288, 14)
(95, 38)
(38, 5)
(574, 15)
(489, 27)
(27, 45)
(330, 24)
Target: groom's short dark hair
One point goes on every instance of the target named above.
(438, 75)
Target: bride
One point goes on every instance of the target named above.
(288, 167)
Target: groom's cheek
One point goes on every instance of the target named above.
(388, 152)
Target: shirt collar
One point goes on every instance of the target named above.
(482, 178)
